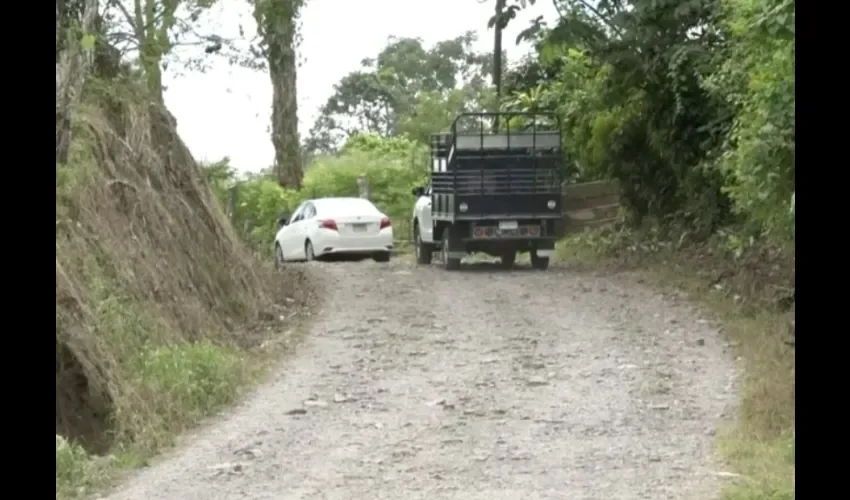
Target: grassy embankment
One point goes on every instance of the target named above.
(751, 294)
(162, 314)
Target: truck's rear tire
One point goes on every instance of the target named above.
(508, 259)
(541, 263)
(449, 264)
(423, 250)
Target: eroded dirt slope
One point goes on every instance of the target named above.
(479, 384)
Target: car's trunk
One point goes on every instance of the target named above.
(356, 225)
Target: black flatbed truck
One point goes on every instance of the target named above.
(497, 193)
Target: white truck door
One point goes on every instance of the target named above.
(423, 213)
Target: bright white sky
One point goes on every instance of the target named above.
(225, 111)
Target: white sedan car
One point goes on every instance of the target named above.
(334, 226)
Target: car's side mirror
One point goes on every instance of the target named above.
(418, 191)
(282, 220)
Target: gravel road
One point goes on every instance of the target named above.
(417, 383)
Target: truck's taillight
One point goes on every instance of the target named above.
(328, 224)
(483, 232)
(386, 222)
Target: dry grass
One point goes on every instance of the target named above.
(752, 295)
(158, 304)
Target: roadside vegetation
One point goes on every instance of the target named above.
(689, 105)
(153, 333)
(392, 167)
(750, 295)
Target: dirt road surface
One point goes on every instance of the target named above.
(417, 383)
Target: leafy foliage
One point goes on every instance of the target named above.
(689, 104)
(757, 78)
(406, 90)
(392, 166)
(72, 463)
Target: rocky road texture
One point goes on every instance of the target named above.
(417, 383)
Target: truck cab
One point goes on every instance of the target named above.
(492, 191)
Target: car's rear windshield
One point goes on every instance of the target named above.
(341, 206)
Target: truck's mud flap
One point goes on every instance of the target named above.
(456, 246)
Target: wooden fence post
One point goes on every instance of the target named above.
(363, 186)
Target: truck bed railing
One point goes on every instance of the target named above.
(486, 122)
(497, 181)
(508, 141)
(474, 136)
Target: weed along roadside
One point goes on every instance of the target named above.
(750, 294)
(163, 316)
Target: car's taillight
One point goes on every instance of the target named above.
(328, 224)
(386, 222)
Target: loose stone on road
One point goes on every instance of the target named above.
(417, 383)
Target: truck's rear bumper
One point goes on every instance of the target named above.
(497, 239)
(506, 216)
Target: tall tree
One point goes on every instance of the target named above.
(277, 25)
(152, 28)
(394, 91)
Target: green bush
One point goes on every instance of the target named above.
(391, 179)
(392, 167)
(179, 380)
(757, 79)
(73, 467)
(189, 381)
(260, 202)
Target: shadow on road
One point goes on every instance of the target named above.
(466, 267)
(494, 267)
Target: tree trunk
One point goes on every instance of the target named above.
(285, 119)
(497, 61)
(151, 23)
(277, 20)
(71, 68)
(153, 72)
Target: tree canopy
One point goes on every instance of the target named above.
(406, 89)
(690, 104)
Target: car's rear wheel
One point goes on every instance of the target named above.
(278, 257)
(422, 249)
(449, 264)
(309, 254)
(538, 262)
